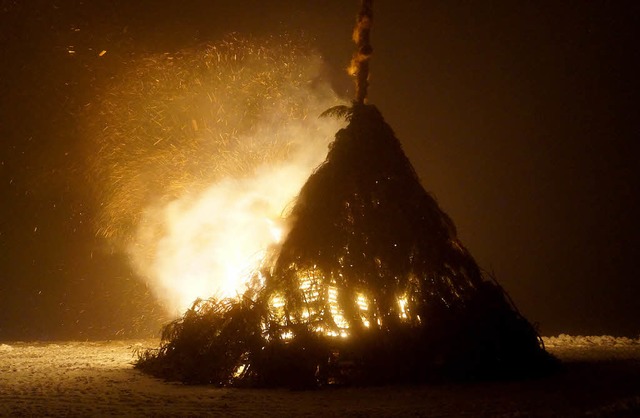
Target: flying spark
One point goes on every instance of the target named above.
(198, 153)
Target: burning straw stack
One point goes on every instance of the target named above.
(370, 286)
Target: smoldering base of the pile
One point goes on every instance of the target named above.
(601, 377)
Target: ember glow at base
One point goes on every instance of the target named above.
(199, 154)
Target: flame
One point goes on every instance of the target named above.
(275, 230)
(402, 304)
(214, 241)
(363, 305)
(200, 153)
(336, 312)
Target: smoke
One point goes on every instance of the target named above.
(359, 66)
(209, 242)
(199, 154)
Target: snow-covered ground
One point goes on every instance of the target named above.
(601, 378)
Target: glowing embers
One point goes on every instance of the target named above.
(286, 335)
(276, 311)
(277, 302)
(311, 287)
(405, 312)
(336, 313)
(277, 326)
(363, 307)
(239, 370)
(402, 304)
(320, 308)
(323, 306)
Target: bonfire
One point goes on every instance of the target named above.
(371, 284)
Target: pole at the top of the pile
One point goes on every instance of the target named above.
(359, 67)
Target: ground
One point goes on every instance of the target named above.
(601, 378)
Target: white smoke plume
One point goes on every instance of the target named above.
(199, 154)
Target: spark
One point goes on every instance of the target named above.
(198, 153)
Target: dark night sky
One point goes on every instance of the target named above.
(519, 116)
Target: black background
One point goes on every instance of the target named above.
(520, 117)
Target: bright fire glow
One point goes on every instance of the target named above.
(361, 300)
(215, 240)
(402, 303)
(199, 155)
(336, 312)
